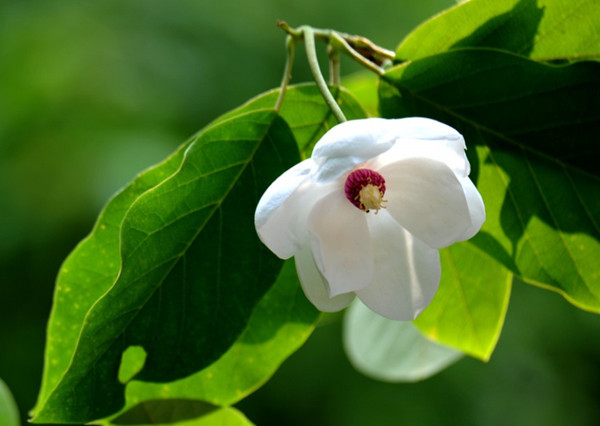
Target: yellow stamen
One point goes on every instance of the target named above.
(371, 198)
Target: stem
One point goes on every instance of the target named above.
(360, 48)
(311, 54)
(287, 74)
(338, 42)
(334, 66)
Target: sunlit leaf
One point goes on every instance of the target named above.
(543, 30)
(393, 351)
(532, 132)
(132, 362)
(468, 311)
(363, 86)
(192, 268)
(9, 413)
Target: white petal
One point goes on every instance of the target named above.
(315, 286)
(427, 199)
(340, 243)
(476, 209)
(280, 190)
(357, 141)
(349, 144)
(437, 150)
(427, 129)
(282, 211)
(407, 271)
(424, 137)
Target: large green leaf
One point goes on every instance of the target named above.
(393, 351)
(540, 29)
(532, 130)
(468, 310)
(192, 268)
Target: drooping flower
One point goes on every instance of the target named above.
(366, 214)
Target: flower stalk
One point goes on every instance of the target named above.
(313, 63)
(287, 74)
(334, 66)
(361, 49)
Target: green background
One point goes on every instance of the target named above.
(92, 93)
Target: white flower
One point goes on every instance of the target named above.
(368, 212)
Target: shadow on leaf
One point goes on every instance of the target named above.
(513, 31)
(165, 411)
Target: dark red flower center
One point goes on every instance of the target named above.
(365, 189)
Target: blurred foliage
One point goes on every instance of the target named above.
(93, 92)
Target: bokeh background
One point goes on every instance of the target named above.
(91, 93)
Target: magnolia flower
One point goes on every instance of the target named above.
(366, 215)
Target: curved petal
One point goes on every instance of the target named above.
(315, 286)
(418, 137)
(427, 199)
(434, 150)
(280, 190)
(282, 211)
(476, 209)
(407, 271)
(341, 244)
(427, 129)
(348, 144)
(353, 142)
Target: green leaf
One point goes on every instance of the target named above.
(543, 30)
(180, 412)
(192, 268)
(9, 412)
(468, 311)
(363, 85)
(393, 351)
(279, 325)
(532, 132)
(305, 111)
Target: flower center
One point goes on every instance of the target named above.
(365, 188)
